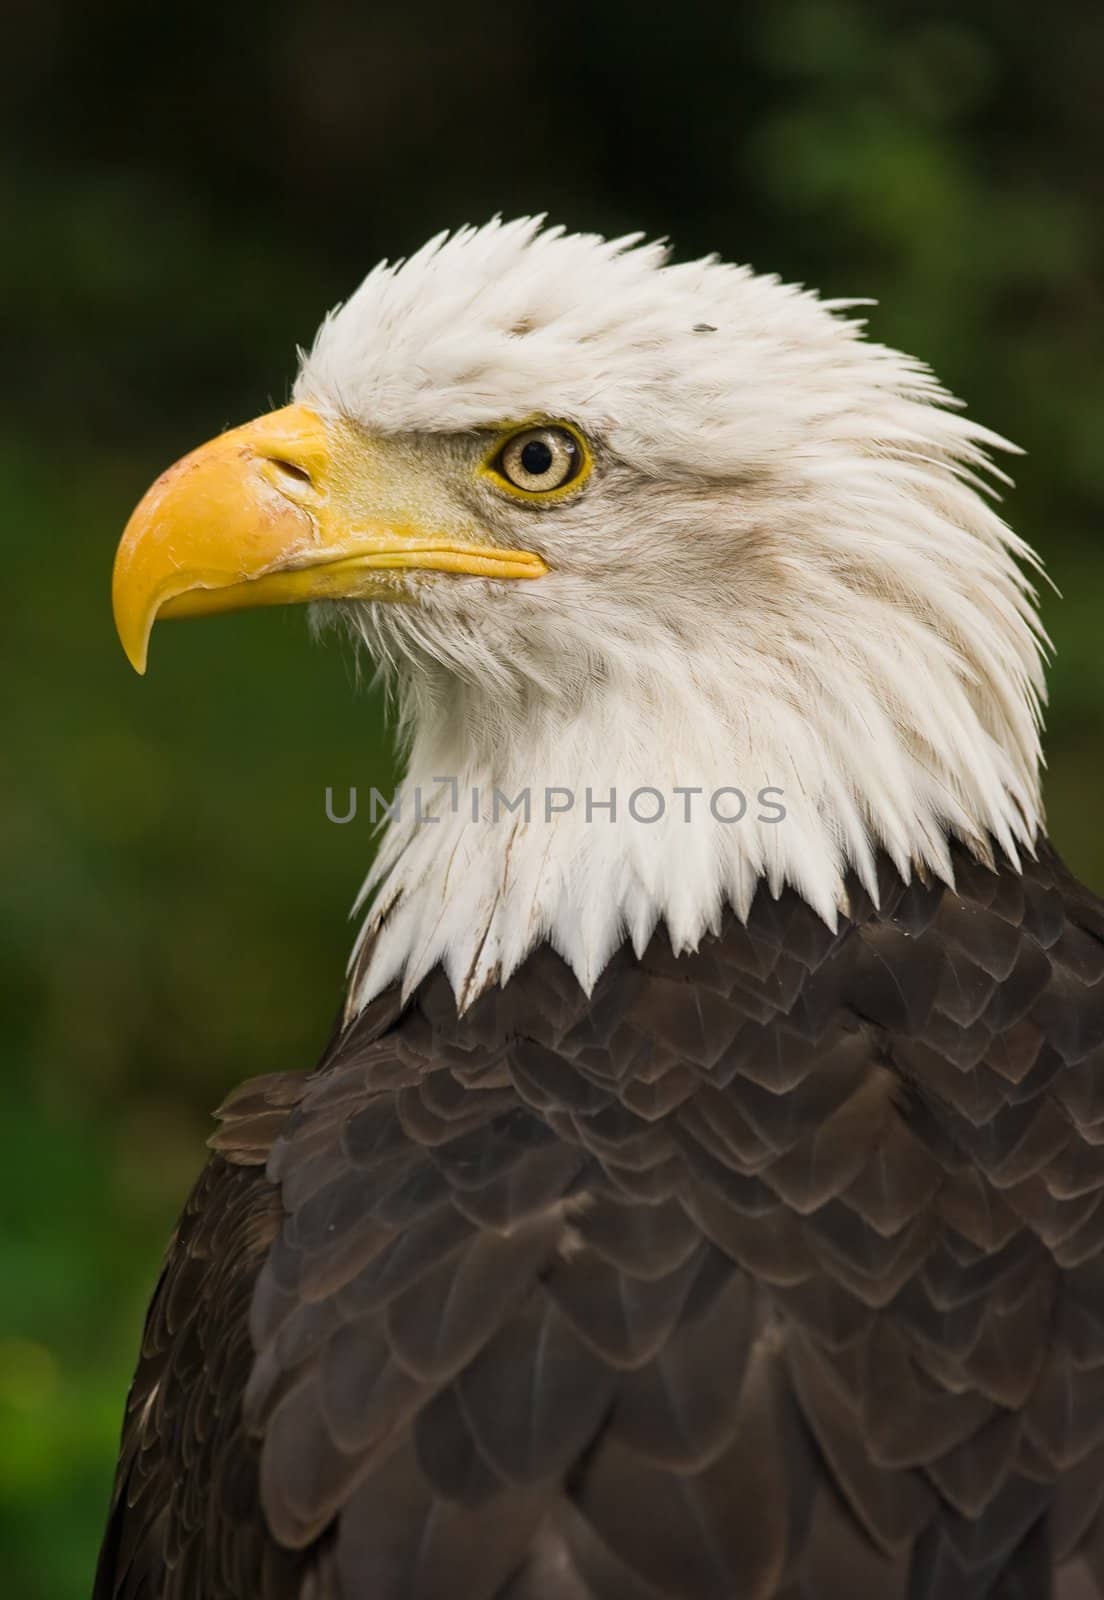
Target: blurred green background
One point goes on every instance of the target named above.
(183, 195)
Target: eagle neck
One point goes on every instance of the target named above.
(668, 802)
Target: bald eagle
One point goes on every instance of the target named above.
(700, 1198)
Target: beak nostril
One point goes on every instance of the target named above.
(291, 471)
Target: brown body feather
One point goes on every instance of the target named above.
(770, 1273)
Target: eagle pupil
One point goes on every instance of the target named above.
(536, 458)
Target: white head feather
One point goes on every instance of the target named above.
(780, 574)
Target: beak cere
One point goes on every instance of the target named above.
(281, 511)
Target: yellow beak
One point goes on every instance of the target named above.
(286, 509)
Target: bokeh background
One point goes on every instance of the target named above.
(182, 195)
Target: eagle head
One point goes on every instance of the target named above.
(606, 521)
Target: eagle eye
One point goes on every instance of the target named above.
(540, 460)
